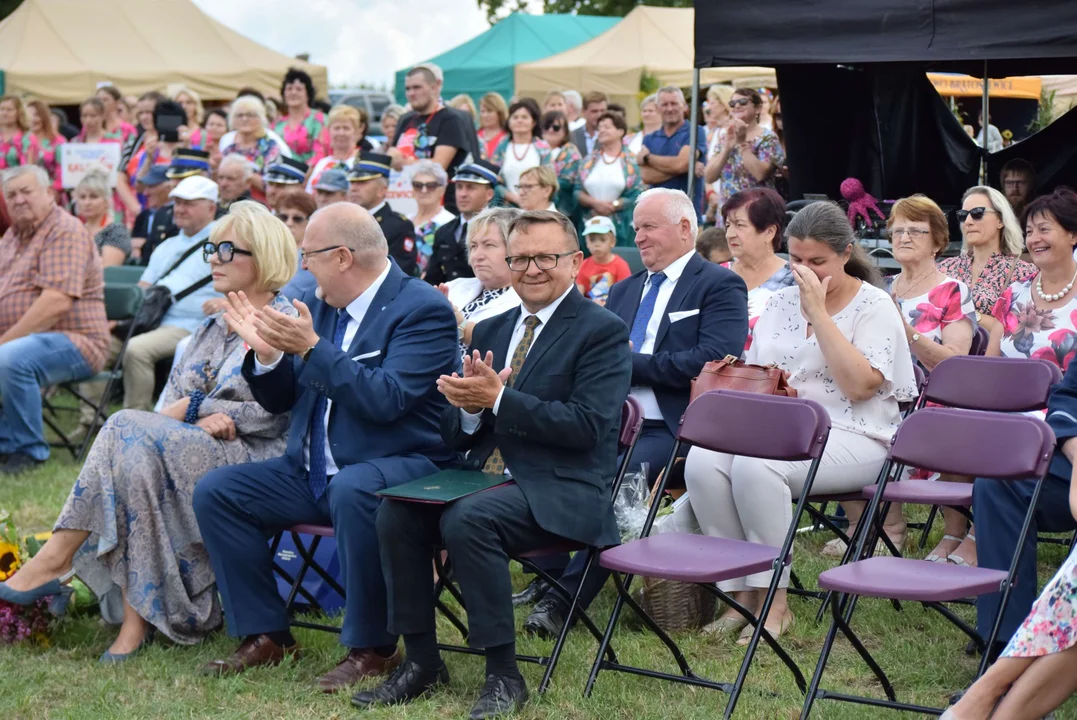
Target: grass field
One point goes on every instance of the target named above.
(922, 653)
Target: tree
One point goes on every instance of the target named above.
(497, 9)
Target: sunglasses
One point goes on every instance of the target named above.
(976, 213)
(286, 218)
(556, 127)
(425, 187)
(739, 102)
(225, 251)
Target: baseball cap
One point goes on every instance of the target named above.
(598, 224)
(196, 188)
(431, 68)
(155, 176)
(332, 181)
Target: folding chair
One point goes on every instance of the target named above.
(980, 339)
(121, 303)
(631, 427)
(123, 274)
(306, 553)
(981, 444)
(766, 426)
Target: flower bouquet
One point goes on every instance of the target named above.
(18, 623)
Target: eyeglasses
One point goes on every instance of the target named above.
(739, 102)
(225, 251)
(976, 213)
(556, 127)
(425, 187)
(297, 219)
(520, 263)
(1015, 183)
(525, 187)
(913, 233)
(304, 254)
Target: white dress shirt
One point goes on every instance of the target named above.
(356, 310)
(673, 272)
(469, 422)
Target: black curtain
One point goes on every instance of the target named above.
(1051, 151)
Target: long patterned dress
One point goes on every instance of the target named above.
(133, 494)
(1051, 627)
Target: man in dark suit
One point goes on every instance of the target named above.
(475, 184)
(540, 401)
(369, 178)
(357, 370)
(585, 136)
(155, 224)
(684, 312)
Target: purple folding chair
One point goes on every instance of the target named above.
(766, 426)
(631, 427)
(982, 444)
(980, 339)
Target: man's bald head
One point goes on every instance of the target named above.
(353, 227)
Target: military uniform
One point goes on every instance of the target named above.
(400, 235)
(156, 226)
(448, 258)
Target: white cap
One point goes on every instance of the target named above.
(598, 224)
(431, 68)
(196, 188)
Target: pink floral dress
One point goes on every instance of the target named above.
(948, 302)
(20, 149)
(1030, 332)
(49, 157)
(307, 138)
(1051, 627)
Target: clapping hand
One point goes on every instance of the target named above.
(286, 333)
(812, 293)
(219, 426)
(740, 130)
(478, 388)
(241, 316)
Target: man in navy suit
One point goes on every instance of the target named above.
(684, 311)
(358, 371)
(540, 401)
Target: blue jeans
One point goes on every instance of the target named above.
(27, 365)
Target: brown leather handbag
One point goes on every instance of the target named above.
(730, 373)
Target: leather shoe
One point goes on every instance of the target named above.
(546, 619)
(356, 665)
(18, 463)
(255, 651)
(501, 695)
(408, 682)
(531, 594)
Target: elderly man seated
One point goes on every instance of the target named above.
(540, 401)
(52, 311)
(234, 178)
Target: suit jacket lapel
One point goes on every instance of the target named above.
(680, 290)
(633, 294)
(559, 324)
(503, 338)
(388, 290)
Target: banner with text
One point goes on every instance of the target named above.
(77, 159)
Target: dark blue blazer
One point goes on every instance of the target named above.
(1062, 417)
(384, 392)
(557, 425)
(682, 348)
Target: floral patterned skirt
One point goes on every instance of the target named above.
(1050, 627)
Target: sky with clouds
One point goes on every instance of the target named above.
(358, 40)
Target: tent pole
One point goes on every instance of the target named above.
(983, 127)
(693, 135)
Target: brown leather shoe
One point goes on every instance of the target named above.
(356, 665)
(255, 651)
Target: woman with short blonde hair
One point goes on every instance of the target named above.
(493, 114)
(93, 205)
(538, 187)
(346, 129)
(191, 102)
(272, 243)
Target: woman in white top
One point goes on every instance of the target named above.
(523, 148)
(428, 183)
(651, 120)
(609, 182)
(490, 292)
(841, 342)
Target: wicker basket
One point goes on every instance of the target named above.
(676, 606)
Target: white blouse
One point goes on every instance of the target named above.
(872, 324)
(606, 181)
(512, 168)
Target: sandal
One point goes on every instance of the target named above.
(938, 558)
(788, 620)
(957, 559)
(726, 625)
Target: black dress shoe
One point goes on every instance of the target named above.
(501, 695)
(408, 682)
(18, 463)
(546, 619)
(531, 594)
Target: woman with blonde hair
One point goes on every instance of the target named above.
(650, 120)
(248, 119)
(493, 115)
(191, 133)
(464, 103)
(389, 119)
(93, 205)
(538, 188)
(18, 145)
(47, 138)
(128, 529)
(347, 128)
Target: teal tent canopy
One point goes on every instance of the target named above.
(486, 63)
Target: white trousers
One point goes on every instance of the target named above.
(745, 498)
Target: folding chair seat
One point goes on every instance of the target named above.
(309, 562)
(999, 446)
(769, 427)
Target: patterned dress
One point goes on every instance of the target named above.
(758, 296)
(735, 176)
(1031, 332)
(264, 153)
(1051, 627)
(20, 149)
(1000, 271)
(948, 302)
(134, 493)
(49, 157)
(307, 138)
(622, 219)
(565, 161)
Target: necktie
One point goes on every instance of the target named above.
(318, 478)
(646, 309)
(461, 235)
(495, 463)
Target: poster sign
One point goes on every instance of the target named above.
(77, 159)
(400, 196)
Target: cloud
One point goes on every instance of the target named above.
(358, 40)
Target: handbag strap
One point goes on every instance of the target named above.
(192, 288)
(184, 256)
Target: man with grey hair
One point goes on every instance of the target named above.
(233, 179)
(53, 327)
(364, 416)
(573, 108)
(664, 159)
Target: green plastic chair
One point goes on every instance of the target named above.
(123, 274)
(631, 256)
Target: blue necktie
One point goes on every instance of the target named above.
(646, 309)
(318, 477)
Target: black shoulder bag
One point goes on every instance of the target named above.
(156, 300)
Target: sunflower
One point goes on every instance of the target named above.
(9, 560)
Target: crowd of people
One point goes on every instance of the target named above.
(324, 347)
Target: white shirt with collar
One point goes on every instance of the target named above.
(377, 208)
(673, 272)
(470, 423)
(356, 310)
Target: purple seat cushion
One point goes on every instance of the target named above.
(322, 530)
(914, 580)
(926, 492)
(690, 558)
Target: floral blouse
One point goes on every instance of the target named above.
(948, 302)
(1000, 271)
(1029, 332)
(49, 156)
(735, 177)
(20, 149)
(307, 139)
(758, 296)
(487, 147)
(266, 152)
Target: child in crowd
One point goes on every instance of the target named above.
(711, 244)
(600, 271)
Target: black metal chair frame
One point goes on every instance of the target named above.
(306, 553)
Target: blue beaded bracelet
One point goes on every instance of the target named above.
(196, 398)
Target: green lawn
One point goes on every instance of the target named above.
(923, 654)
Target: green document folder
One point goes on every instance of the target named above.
(444, 487)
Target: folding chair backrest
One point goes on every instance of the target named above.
(974, 443)
(123, 274)
(122, 301)
(631, 424)
(763, 426)
(992, 383)
(979, 341)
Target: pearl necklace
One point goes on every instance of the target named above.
(1058, 295)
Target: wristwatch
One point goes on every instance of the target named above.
(915, 337)
(306, 354)
(617, 204)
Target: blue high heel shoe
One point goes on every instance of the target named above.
(111, 658)
(29, 597)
